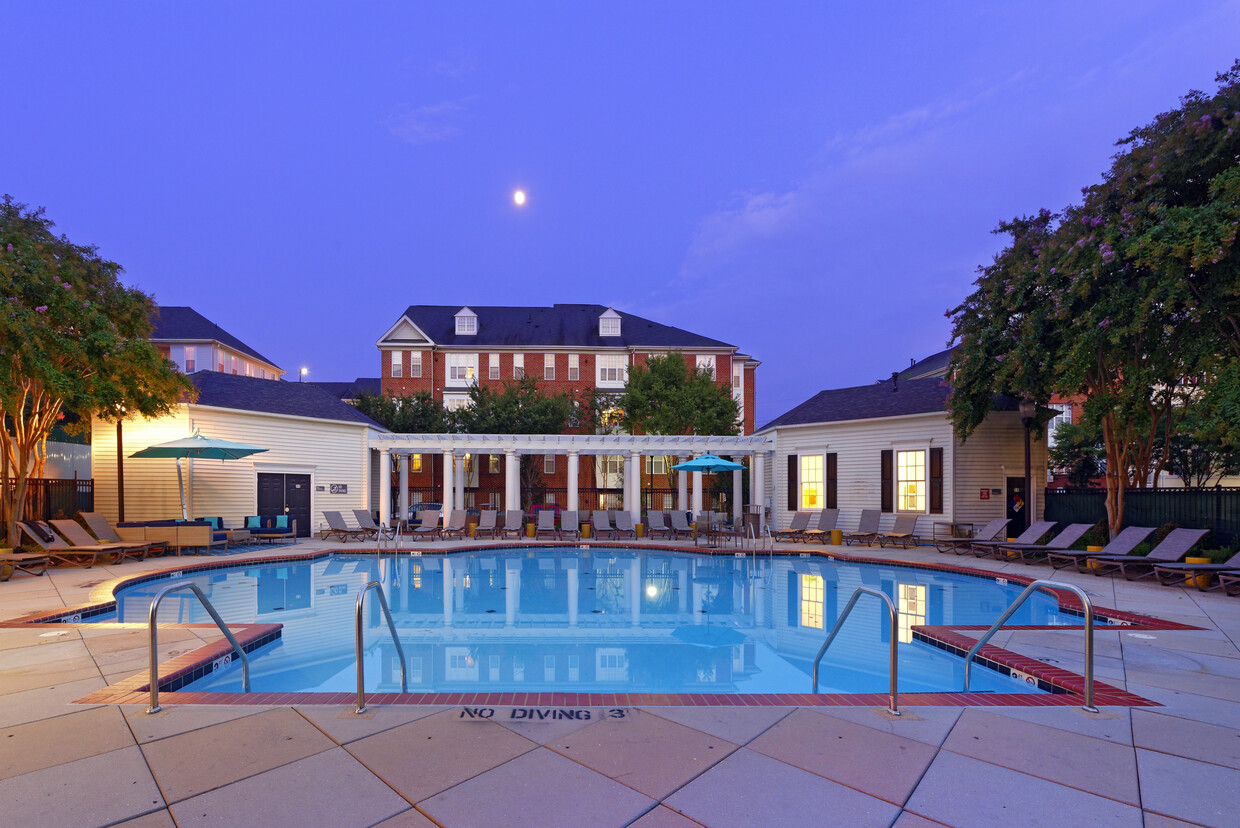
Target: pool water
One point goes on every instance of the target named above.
(595, 620)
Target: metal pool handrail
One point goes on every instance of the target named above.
(894, 709)
(219, 622)
(361, 669)
(1089, 634)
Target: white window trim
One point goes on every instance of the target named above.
(397, 364)
(415, 364)
(518, 366)
(600, 365)
(493, 366)
(895, 477)
(574, 367)
(466, 325)
(548, 464)
(549, 367)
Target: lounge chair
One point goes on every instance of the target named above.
(867, 529)
(1183, 574)
(367, 524)
(800, 522)
(985, 549)
(106, 533)
(1136, 567)
(600, 524)
(991, 531)
(73, 532)
(656, 525)
(827, 519)
(429, 527)
(1121, 544)
(514, 521)
(58, 550)
(486, 523)
(1030, 552)
(456, 526)
(904, 533)
(680, 525)
(624, 525)
(22, 562)
(1230, 582)
(337, 528)
(570, 525)
(546, 525)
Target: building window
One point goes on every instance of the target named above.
(452, 402)
(518, 366)
(548, 464)
(493, 463)
(397, 366)
(462, 368)
(549, 499)
(234, 364)
(656, 464)
(611, 369)
(415, 364)
(811, 601)
(249, 369)
(574, 367)
(493, 366)
(493, 501)
(415, 463)
(912, 609)
(190, 360)
(466, 324)
(911, 481)
(811, 482)
(667, 502)
(706, 362)
(221, 363)
(609, 324)
(549, 367)
(1063, 417)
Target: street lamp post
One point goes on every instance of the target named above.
(302, 375)
(1028, 409)
(120, 466)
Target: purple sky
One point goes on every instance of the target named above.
(814, 182)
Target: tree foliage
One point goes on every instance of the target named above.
(665, 397)
(1130, 298)
(418, 413)
(71, 337)
(1078, 452)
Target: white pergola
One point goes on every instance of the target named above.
(454, 447)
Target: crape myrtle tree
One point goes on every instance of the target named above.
(1130, 299)
(72, 337)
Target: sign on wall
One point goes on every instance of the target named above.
(340, 488)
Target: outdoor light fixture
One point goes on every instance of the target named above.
(303, 373)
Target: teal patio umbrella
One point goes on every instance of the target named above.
(709, 464)
(206, 448)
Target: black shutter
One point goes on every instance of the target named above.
(793, 469)
(831, 484)
(887, 498)
(936, 481)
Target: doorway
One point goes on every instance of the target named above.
(1018, 510)
(289, 494)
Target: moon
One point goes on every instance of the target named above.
(518, 197)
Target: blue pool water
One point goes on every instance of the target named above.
(595, 620)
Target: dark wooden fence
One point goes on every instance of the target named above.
(1217, 509)
(47, 499)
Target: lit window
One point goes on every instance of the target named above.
(549, 367)
(548, 464)
(811, 482)
(397, 364)
(911, 481)
(518, 366)
(611, 369)
(706, 362)
(249, 369)
(811, 601)
(415, 462)
(462, 368)
(234, 364)
(453, 402)
(611, 416)
(415, 364)
(190, 361)
(493, 463)
(912, 609)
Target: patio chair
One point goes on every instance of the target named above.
(867, 529)
(1037, 529)
(546, 525)
(680, 525)
(1230, 582)
(58, 550)
(366, 522)
(821, 532)
(1031, 552)
(337, 528)
(73, 532)
(991, 531)
(456, 526)
(514, 521)
(429, 527)
(486, 523)
(903, 533)
(22, 562)
(1183, 574)
(570, 524)
(106, 533)
(1135, 567)
(800, 522)
(656, 525)
(600, 524)
(624, 525)
(1121, 544)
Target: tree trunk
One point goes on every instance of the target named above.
(1115, 476)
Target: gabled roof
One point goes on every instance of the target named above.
(350, 390)
(295, 399)
(571, 326)
(934, 365)
(181, 324)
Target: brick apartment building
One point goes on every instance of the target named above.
(444, 349)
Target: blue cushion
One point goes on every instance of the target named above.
(253, 522)
(282, 521)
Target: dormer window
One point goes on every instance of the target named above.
(466, 322)
(609, 323)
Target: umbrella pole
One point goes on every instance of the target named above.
(181, 486)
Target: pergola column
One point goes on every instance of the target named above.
(757, 485)
(447, 485)
(574, 469)
(512, 480)
(736, 493)
(385, 486)
(633, 486)
(458, 482)
(682, 486)
(403, 462)
(697, 493)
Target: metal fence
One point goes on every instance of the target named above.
(1217, 509)
(48, 499)
(588, 498)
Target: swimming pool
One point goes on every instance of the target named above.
(594, 620)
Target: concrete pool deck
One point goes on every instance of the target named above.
(1179, 763)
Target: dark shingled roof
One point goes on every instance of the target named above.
(186, 324)
(298, 399)
(350, 390)
(559, 325)
(933, 365)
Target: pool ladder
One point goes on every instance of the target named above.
(894, 707)
(154, 638)
(400, 652)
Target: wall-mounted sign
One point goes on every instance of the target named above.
(985, 495)
(340, 488)
(320, 488)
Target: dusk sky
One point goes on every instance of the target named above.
(813, 182)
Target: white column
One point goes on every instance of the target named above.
(633, 486)
(697, 493)
(574, 469)
(458, 482)
(447, 485)
(403, 464)
(682, 486)
(512, 480)
(757, 484)
(736, 493)
(385, 485)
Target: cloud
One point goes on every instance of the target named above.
(430, 123)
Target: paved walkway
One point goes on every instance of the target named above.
(63, 764)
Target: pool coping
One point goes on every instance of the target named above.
(1064, 688)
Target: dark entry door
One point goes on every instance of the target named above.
(280, 494)
(1017, 503)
